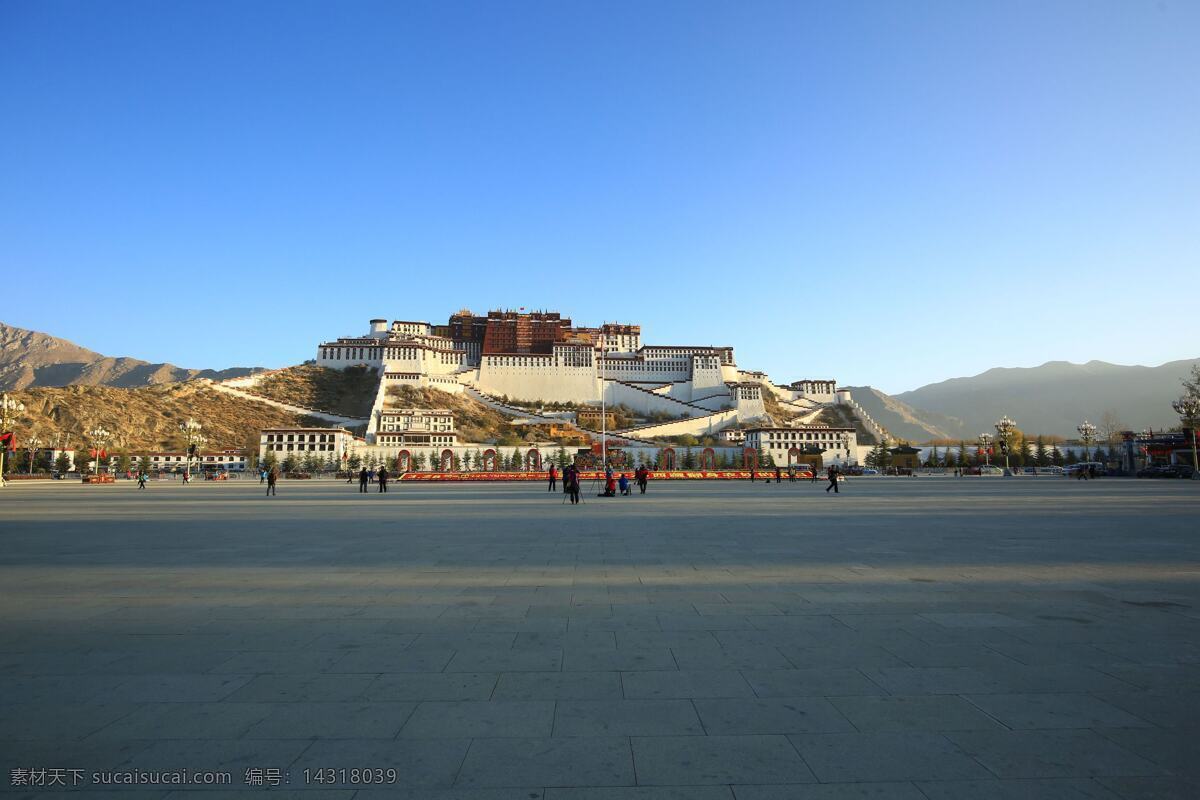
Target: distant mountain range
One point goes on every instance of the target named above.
(1050, 399)
(30, 359)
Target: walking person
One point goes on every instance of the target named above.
(272, 479)
(815, 474)
(382, 476)
(791, 474)
(833, 480)
(142, 479)
(553, 478)
(778, 475)
(262, 477)
(643, 477)
(362, 481)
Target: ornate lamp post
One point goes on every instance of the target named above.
(9, 408)
(99, 437)
(33, 443)
(1188, 409)
(1087, 434)
(193, 439)
(985, 444)
(1004, 431)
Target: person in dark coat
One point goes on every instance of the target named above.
(571, 484)
(363, 478)
(833, 480)
(382, 477)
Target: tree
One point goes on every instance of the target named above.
(689, 459)
(144, 463)
(354, 462)
(1056, 456)
(1110, 427)
(124, 463)
(418, 462)
(964, 455)
(560, 457)
(62, 463)
(1100, 454)
(1072, 458)
(883, 458)
(289, 463)
(1025, 454)
(41, 461)
(1192, 384)
(514, 461)
(455, 463)
(951, 459)
(933, 460)
(1041, 455)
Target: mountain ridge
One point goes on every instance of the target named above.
(32, 359)
(1051, 398)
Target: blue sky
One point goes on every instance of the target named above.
(885, 193)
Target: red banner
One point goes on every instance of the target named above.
(591, 475)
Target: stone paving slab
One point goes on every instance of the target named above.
(926, 638)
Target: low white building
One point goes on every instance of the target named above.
(412, 427)
(231, 460)
(732, 436)
(787, 445)
(326, 443)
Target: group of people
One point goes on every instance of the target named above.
(612, 482)
(832, 473)
(366, 476)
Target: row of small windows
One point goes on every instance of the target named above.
(279, 448)
(806, 436)
(300, 437)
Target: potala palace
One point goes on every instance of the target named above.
(517, 361)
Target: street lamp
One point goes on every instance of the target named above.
(1004, 431)
(33, 444)
(191, 434)
(985, 444)
(1087, 434)
(1188, 409)
(9, 408)
(99, 437)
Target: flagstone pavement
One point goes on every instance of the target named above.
(920, 638)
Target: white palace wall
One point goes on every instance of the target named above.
(537, 377)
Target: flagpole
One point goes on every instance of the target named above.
(603, 427)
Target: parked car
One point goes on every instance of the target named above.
(869, 471)
(1166, 471)
(990, 470)
(1048, 470)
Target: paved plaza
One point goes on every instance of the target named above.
(929, 638)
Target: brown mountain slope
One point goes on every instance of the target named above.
(349, 392)
(145, 418)
(29, 358)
